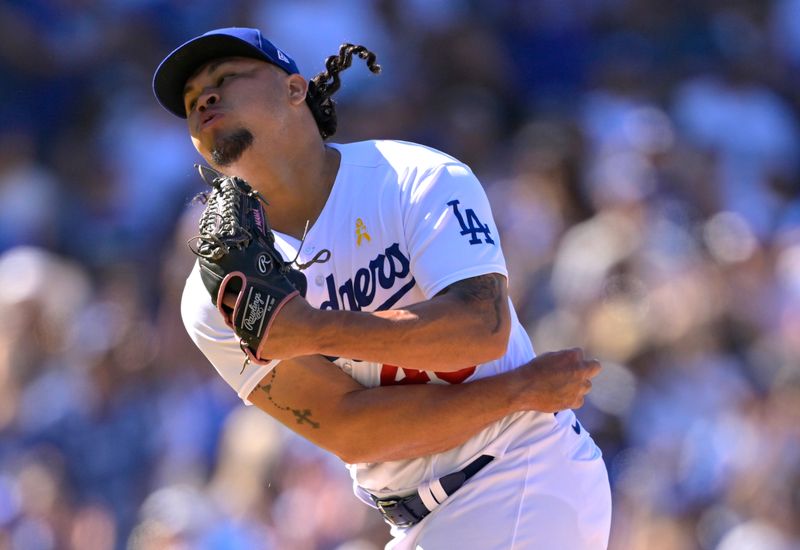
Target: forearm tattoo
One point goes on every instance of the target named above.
(483, 290)
(302, 416)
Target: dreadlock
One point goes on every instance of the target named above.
(326, 83)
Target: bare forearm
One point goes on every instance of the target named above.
(466, 324)
(436, 335)
(401, 422)
(319, 402)
(411, 421)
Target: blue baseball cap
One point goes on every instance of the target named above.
(173, 72)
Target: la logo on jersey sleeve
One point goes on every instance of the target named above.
(471, 226)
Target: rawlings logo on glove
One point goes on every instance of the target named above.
(257, 311)
(238, 257)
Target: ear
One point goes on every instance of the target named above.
(298, 87)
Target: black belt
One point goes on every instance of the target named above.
(408, 510)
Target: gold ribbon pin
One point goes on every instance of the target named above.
(361, 232)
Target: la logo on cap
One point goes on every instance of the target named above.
(282, 56)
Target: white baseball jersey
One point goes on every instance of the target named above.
(402, 223)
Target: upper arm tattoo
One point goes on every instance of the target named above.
(482, 290)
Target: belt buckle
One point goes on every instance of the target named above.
(389, 508)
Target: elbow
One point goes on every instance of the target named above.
(485, 302)
(355, 457)
(345, 453)
(362, 442)
(496, 344)
(501, 340)
(355, 452)
(487, 345)
(496, 331)
(352, 440)
(342, 446)
(346, 456)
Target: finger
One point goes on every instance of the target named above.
(593, 367)
(229, 299)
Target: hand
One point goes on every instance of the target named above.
(555, 381)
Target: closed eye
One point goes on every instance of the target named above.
(217, 84)
(223, 78)
(191, 105)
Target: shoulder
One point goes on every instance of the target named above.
(410, 166)
(402, 156)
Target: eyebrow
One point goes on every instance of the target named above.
(210, 68)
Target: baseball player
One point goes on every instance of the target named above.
(406, 293)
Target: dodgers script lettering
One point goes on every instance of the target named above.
(359, 291)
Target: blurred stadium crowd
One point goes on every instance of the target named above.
(642, 161)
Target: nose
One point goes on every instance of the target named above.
(206, 99)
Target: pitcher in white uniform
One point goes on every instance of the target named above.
(454, 442)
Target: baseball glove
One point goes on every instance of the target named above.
(237, 255)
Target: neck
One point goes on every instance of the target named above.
(295, 182)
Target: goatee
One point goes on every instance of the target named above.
(229, 148)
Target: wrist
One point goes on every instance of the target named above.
(514, 386)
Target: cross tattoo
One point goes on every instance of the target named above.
(304, 417)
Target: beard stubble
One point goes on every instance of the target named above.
(228, 148)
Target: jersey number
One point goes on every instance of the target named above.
(394, 376)
(472, 225)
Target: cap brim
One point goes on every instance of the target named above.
(171, 75)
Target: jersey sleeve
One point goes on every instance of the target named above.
(217, 341)
(449, 229)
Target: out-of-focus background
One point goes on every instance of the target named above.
(642, 161)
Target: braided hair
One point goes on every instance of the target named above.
(326, 83)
